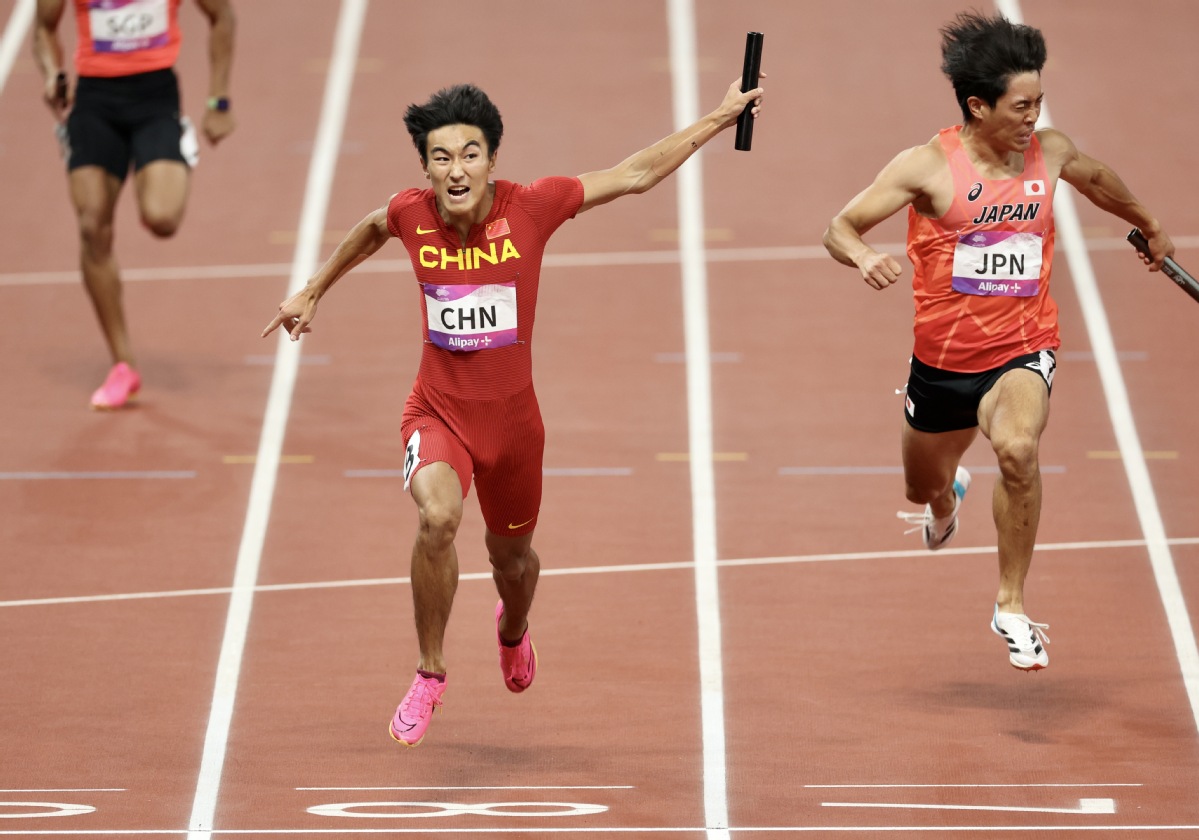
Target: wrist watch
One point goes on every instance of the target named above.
(218, 103)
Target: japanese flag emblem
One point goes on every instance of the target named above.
(1036, 187)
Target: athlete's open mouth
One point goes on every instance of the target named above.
(458, 192)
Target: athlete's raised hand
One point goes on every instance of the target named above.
(735, 101)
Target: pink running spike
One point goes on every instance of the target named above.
(118, 389)
(518, 663)
(412, 717)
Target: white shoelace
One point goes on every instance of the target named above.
(917, 519)
(925, 517)
(1035, 630)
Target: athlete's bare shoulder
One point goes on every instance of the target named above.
(1057, 148)
(922, 172)
(917, 169)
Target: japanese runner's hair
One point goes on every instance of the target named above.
(980, 55)
(457, 105)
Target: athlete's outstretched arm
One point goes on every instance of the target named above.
(1104, 188)
(218, 124)
(47, 52)
(364, 239)
(642, 171)
(901, 182)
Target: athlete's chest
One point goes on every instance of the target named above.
(999, 227)
(494, 252)
(477, 294)
(1017, 196)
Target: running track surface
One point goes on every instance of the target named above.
(203, 603)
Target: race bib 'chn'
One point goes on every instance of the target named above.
(463, 318)
(121, 26)
(999, 263)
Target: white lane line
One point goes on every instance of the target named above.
(63, 790)
(1144, 499)
(338, 85)
(713, 358)
(785, 253)
(14, 35)
(989, 785)
(914, 830)
(88, 476)
(549, 472)
(893, 470)
(912, 554)
(1085, 806)
(482, 787)
(684, 73)
(272, 271)
(314, 359)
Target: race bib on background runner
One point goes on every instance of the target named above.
(465, 318)
(1002, 263)
(128, 25)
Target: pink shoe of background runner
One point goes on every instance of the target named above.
(119, 387)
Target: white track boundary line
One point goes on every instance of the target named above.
(537, 831)
(583, 259)
(1129, 443)
(684, 72)
(478, 787)
(909, 554)
(992, 785)
(14, 35)
(338, 86)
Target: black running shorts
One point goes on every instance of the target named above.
(945, 401)
(127, 119)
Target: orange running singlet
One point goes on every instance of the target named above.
(981, 278)
(124, 37)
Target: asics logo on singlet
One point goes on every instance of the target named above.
(468, 259)
(975, 191)
(993, 213)
(1045, 365)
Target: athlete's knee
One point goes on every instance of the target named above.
(511, 558)
(511, 566)
(1018, 457)
(439, 525)
(161, 222)
(96, 232)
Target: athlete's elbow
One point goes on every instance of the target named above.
(827, 239)
(831, 238)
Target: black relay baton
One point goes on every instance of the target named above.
(749, 81)
(1169, 268)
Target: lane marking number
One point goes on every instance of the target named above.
(395, 810)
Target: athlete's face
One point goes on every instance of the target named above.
(1010, 124)
(459, 168)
